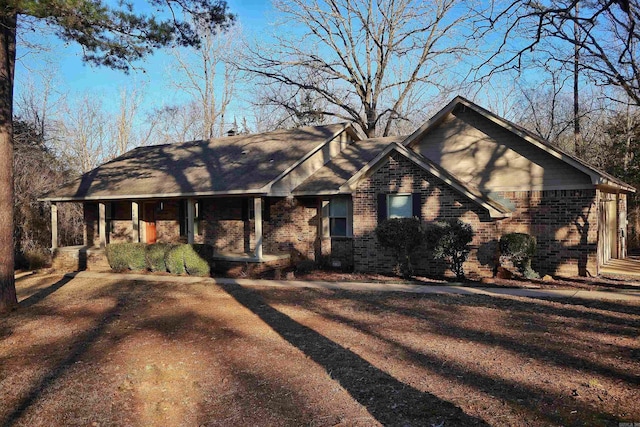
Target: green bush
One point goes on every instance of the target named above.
(155, 257)
(194, 262)
(126, 256)
(174, 258)
(403, 236)
(449, 240)
(520, 248)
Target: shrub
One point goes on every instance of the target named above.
(126, 256)
(174, 258)
(194, 263)
(402, 236)
(155, 256)
(520, 249)
(449, 240)
(37, 258)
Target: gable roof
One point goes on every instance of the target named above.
(329, 178)
(597, 176)
(343, 173)
(495, 209)
(242, 164)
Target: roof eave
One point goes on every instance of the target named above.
(252, 192)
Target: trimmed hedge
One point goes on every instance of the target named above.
(194, 263)
(174, 259)
(161, 257)
(520, 248)
(155, 257)
(126, 256)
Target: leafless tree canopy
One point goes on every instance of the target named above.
(605, 32)
(364, 61)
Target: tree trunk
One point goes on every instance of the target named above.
(8, 300)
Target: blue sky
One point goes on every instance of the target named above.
(77, 78)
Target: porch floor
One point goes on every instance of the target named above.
(629, 266)
(248, 257)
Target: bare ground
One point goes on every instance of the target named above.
(97, 353)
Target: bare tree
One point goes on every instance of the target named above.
(364, 58)
(83, 140)
(604, 32)
(125, 133)
(208, 76)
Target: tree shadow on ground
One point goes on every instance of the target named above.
(44, 293)
(390, 401)
(539, 402)
(76, 351)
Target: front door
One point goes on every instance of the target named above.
(150, 222)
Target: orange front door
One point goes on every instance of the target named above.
(150, 221)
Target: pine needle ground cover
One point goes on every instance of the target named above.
(108, 352)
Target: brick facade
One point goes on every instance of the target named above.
(564, 222)
(289, 225)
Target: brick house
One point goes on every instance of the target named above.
(319, 192)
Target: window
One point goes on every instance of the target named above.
(399, 206)
(338, 216)
(184, 218)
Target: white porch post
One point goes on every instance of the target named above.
(190, 220)
(102, 223)
(135, 221)
(54, 225)
(257, 209)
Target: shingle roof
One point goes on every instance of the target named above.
(234, 164)
(329, 178)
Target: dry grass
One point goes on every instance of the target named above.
(96, 352)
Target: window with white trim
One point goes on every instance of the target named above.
(399, 206)
(338, 217)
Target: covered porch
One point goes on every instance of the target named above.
(233, 226)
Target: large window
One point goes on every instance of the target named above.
(400, 206)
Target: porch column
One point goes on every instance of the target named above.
(135, 222)
(190, 220)
(257, 209)
(102, 223)
(54, 225)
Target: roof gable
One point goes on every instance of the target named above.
(540, 153)
(495, 209)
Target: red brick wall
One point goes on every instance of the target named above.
(564, 222)
(292, 228)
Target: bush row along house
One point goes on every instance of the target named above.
(318, 193)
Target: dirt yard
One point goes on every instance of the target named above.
(92, 352)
